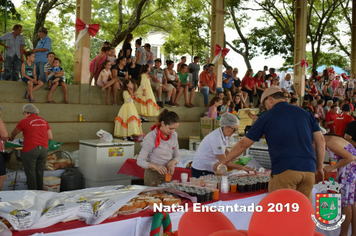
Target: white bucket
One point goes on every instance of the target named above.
(51, 184)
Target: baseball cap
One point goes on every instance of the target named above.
(346, 107)
(43, 29)
(269, 92)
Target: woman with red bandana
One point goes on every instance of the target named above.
(160, 149)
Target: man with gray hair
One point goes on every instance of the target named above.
(213, 148)
(15, 43)
(37, 133)
(290, 132)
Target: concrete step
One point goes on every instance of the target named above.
(12, 112)
(74, 131)
(11, 91)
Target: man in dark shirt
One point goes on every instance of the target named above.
(290, 132)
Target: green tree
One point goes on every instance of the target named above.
(62, 43)
(321, 15)
(328, 59)
(131, 16)
(190, 32)
(238, 19)
(42, 8)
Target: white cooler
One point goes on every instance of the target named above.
(100, 161)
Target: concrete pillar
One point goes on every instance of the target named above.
(82, 55)
(353, 38)
(299, 46)
(217, 35)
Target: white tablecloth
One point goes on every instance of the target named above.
(141, 226)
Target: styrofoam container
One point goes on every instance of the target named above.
(51, 184)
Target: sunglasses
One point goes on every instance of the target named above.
(233, 129)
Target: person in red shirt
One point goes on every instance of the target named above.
(259, 85)
(330, 118)
(347, 101)
(342, 120)
(248, 86)
(183, 60)
(36, 133)
(207, 83)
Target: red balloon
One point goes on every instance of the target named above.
(285, 212)
(228, 233)
(318, 234)
(203, 223)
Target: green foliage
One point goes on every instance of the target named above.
(116, 22)
(328, 59)
(62, 38)
(190, 31)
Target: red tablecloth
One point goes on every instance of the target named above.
(145, 213)
(130, 167)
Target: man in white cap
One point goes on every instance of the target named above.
(290, 132)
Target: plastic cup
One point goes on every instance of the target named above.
(184, 177)
(168, 177)
(233, 188)
(216, 194)
(200, 196)
(202, 182)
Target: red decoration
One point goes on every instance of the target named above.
(282, 221)
(159, 135)
(304, 63)
(92, 29)
(223, 51)
(203, 223)
(344, 76)
(331, 71)
(228, 233)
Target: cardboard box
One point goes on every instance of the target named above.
(206, 126)
(216, 123)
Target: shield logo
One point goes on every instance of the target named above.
(328, 207)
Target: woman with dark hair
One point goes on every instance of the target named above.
(126, 46)
(325, 76)
(259, 86)
(248, 86)
(160, 149)
(173, 79)
(127, 122)
(149, 55)
(146, 103)
(119, 70)
(140, 56)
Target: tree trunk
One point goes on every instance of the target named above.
(42, 9)
(133, 22)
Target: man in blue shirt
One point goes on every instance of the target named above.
(15, 43)
(290, 132)
(227, 82)
(43, 47)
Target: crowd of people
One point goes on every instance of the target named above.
(35, 67)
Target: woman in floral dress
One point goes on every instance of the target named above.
(344, 153)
